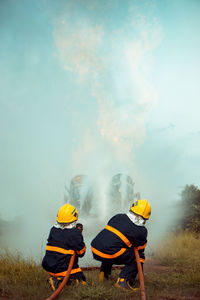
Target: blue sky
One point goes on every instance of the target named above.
(97, 87)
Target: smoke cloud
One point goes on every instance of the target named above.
(94, 88)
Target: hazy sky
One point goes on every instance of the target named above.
(97, 87)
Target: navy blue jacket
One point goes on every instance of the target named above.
(61, 245)
(119, 234)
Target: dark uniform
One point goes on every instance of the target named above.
(114, 245)
(61, 245)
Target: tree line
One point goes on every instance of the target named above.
(190, 207)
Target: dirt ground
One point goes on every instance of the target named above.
(151, 265)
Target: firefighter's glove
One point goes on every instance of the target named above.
(79, 226)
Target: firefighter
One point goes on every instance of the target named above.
(114, 244)
(64, 238)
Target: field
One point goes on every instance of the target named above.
(172, 272)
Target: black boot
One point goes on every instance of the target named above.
(54, 282)
(125, 284)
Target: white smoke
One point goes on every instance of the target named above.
(123, 111)
(111, 67)
(115, 67)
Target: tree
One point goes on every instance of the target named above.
(190, 197)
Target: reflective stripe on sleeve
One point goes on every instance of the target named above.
(119, 234)
(101, 254)
(60, 250)
(81, 251)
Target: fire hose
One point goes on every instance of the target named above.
(63, 283)
(140, 275)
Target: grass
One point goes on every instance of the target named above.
(182, 250)
(22, 279)
(19, 278)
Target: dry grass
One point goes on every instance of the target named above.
(182, 250)
(19, 278)
(22, 279)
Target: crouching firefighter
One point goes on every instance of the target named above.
(115, 243)
(64, 239)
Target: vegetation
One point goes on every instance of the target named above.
(182, 250)
(20, 278)
(190, 202)
(26, 280)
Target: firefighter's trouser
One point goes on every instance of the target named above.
(129, 271)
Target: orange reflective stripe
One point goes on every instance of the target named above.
(81, 251)
(52, 284)
(76, 270)
(119, 234)
(57, 274)
(141, 247)
(60, 250)
(101, 254)
(73, 271)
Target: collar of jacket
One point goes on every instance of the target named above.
(67, 226)
(136, 220)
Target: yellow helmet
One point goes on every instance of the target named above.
(142, 208)
(67, 214)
